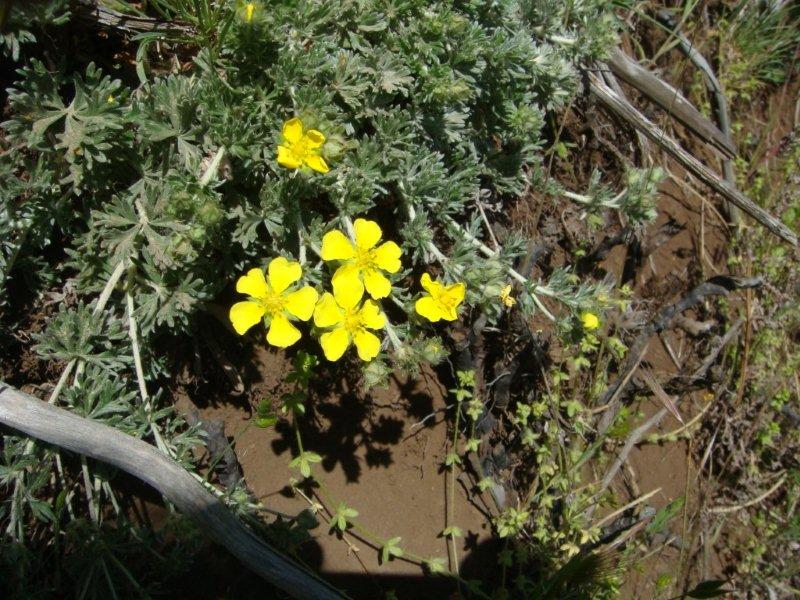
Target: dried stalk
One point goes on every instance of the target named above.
(627, 112)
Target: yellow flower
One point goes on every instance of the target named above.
(347, 322)
(110, 99)
(363, 261)
(274, 300)
(442, 301)
(301, 147)
(506, 297)
(249, 9)
(590, 321)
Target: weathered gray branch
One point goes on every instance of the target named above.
(715, 89)
(626, 111)
(670, 99)
(91, 11)
(59, 427)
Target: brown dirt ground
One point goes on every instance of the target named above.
(377, 458)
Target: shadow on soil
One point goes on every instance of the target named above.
(340, 421)
(216, 574)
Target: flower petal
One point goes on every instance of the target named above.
(429, 308)
(314, 139)
(387, 257)
(371, 316)
(327, 313)
(293, 130)
(301, 303)
(429, 285)
(244, 315)
(253, 284)
(376, 283)
(336, 246)
(347, 287)
(368, 344)
(367, 233)
(455, 293)
(281, 332)
(316, 162)
(283, 273)
(288, 159)
(334, 343)
(450, 313)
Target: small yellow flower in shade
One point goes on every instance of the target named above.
(363, 260)
(301, 148)
(442, 301)
(249, 9)
(272, 297)
(348, 323)
(590, 321)
(110, 99)
(506, 298)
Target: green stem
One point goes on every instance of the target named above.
(450, 511)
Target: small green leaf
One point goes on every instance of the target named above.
(452, 459)
(264, 417)
(342, 516)
(264, 422)
(391, 549)
(485, 483)
(453, 531)
(435, 565)
(472, 445)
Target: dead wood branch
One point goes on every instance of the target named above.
(721, 285)
(626, 111)
(637, 434)
(671, 100)
(90, 11)
(715, 89)
(59, 427)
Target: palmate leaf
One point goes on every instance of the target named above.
(391, 549)
(303, 463)
(169, 298)
(343, 515)
(167, 114)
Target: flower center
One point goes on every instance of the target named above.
(445, 300)
(273, 303)
(352, 321)
(365, 259)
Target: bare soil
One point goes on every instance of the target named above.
(379, 457)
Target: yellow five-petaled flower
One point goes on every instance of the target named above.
(590, 321)
(441, 301)
(301, 148)
(362, 261)
(271, 297)
(348, 322)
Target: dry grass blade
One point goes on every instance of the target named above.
(660, 393)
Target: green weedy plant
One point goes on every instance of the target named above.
(158, 195)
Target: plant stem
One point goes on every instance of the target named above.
(450, 508)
